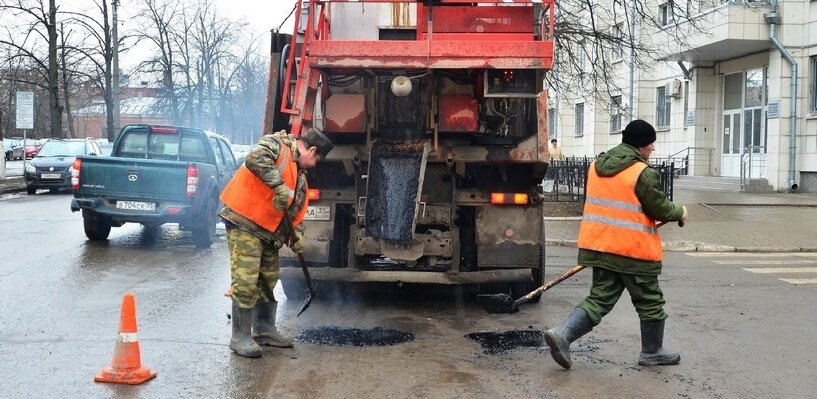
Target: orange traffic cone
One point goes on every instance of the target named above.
(126, 367)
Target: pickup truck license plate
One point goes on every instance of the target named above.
(50, 176)
(135, 205)
(318, 212)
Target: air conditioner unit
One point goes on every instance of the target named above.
(673, 89)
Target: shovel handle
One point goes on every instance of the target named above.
(562, 277)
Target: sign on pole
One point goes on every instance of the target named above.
(25, 110)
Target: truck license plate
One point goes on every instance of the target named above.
(135, 205)
(318, 212)
(50, 176)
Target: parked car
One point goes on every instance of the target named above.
(107, 148)
(12, 149)
(32, 146)
(50, 168)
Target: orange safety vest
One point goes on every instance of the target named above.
(614, 221)
(247, 195)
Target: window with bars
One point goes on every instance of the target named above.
(615, 114)
(662, 108)
(579, 119)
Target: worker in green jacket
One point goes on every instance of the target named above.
(618, 238)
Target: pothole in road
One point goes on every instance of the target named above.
(498, 342)
(354, 337)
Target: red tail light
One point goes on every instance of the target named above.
(163, 130)
(192, 179)
(313, 194)
(509, 198)
(75, 167)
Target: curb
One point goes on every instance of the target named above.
(687, 246)
(12, 185)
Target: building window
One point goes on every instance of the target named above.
(618, 35)
(662, 107)
(814, 84)
(579, 119)
(552, 123)
(615, 114)
(581, 56)
(665, 13)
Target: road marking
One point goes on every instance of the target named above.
(771, 270)
(750, 254)
(766, 262)
(799, 280)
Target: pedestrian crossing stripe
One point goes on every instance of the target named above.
(771, 270)
(766, 262)
(751, 254)
(799, 280)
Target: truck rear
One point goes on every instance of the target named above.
(155, 175)
(438, 116)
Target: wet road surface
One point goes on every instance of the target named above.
(741, 333)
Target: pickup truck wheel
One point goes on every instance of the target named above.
(205, 234)
(30, 190)
(97, 228)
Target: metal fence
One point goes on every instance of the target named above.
(566, 180)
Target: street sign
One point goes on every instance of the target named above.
(25, 110)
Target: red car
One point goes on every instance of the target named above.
(33, 146)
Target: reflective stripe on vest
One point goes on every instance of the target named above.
(248, 195)
(614, 221)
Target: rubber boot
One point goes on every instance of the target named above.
(652, 351)
(559, 338)
(263, 327)
(241, 342)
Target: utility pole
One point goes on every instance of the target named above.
(115, 75)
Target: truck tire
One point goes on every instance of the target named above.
(205, 234)
(30, 190)
(97, 228)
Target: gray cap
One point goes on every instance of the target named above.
(318, 139)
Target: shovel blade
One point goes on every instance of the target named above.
(310, 294)
(498, 303)
(306, 304)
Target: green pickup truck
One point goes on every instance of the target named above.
(155, 175)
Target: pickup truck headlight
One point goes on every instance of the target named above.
(30, 168)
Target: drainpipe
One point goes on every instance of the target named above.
(773, 19)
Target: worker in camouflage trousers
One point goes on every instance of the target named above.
(618, 238)
(271, 182)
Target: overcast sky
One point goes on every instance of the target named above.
(262, 16)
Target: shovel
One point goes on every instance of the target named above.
(310, 293)
(504, 303)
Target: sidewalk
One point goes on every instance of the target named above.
(726, 222)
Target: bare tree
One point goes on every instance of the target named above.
(158, 26)
(597, 42)
(35, 28)
(98, 52)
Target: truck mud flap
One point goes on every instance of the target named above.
(396, 173)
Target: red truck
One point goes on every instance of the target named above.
(438, 116)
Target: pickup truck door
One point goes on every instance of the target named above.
(225, 162)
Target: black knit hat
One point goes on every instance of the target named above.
(638, 133)
(318, 139)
